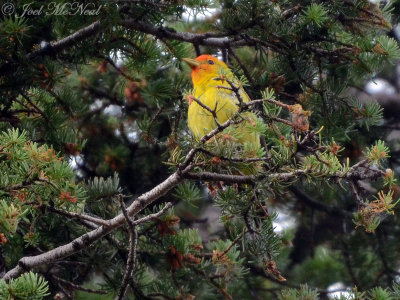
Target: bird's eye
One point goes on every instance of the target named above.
(210, 62)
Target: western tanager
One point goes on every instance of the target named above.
(211, 87)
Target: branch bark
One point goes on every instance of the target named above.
(130, 263)
(353, 174)
(212, 39)
(68, 41)
(85, 240)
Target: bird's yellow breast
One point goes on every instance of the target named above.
(200, 120)
(225, 103)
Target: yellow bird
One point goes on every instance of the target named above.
(210, 88)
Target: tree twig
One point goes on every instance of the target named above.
(234, 242)
(153, 216)
(242, 65)
(233, 159)
(130, 263)
(73, 215)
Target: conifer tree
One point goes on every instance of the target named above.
(105, 194)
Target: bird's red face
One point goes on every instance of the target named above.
(205, 67)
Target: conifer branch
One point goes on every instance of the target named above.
(73, 215)
(280, 120)
(354, 174)
(130, 263)
(213, 39)
(232, 159)
(212, 280)
(87, 239)
(209, 176)
(69, 41)
(349, 266)
(144, 2)
(234, 242)
(37, 109)
(356, 194)
(242, 65)
(206, 39)
(118, 69)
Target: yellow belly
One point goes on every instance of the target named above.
(224, 102)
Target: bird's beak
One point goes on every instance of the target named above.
(191, 62)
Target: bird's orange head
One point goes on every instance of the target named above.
(205, 68)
